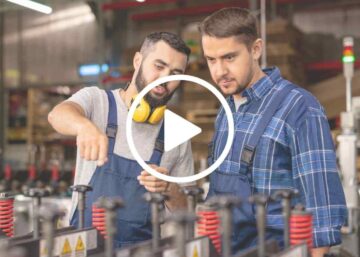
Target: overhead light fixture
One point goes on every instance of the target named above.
(140, 1)
(33, 5)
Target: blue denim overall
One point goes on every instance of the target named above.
(238, 182)
(118, 178)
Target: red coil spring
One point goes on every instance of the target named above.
(7, 216)
(301, 228)
(98, 219)
(208, 225)
(8, 172)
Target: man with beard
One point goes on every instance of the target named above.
(97, 118)
(282, 136)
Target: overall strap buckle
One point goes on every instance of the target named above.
(247, 154)
(111, 131)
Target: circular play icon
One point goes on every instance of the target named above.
(178, 130)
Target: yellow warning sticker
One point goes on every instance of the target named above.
(195, 252)
(79, 245)
(66, 249)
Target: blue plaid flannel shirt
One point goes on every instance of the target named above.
(295, 152)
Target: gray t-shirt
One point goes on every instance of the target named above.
(94, 102)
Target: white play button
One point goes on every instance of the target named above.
(177, 130)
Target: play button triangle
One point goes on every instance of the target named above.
(177, 130)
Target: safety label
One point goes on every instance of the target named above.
(71, 245)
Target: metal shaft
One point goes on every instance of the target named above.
(36, 223)
(110, 231)
(81, 208)
(226, 223)
(180, 240)
(49, 235)
(155, 225)
(191, 205)
(286, 214)
(261, 224)
(348, 94)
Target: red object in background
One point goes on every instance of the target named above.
(7, 172)
(328, 66)
(98, 220)
(301, 228)
(7, 216)
(208, 225)
(55, 173)
(31, 172)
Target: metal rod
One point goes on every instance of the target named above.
(226, 221)
(36, 223)
(49, 235)
(261, 224)
(81, 207)
(180, 240)
(110, 231)
(263, 31)
(191, 204)
(155, 225)
(348, 94)
(286, 213)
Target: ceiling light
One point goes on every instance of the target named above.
(33, 5)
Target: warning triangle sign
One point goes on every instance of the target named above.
(195, 252)
(44, 251)
(66, 248)
(79, 245)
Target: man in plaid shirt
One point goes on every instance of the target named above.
(295, 149)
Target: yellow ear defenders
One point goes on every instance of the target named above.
(144, 112)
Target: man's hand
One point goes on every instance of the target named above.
(92, 143)
(153, 184)
(319, 252)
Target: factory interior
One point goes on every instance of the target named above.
(179, 128)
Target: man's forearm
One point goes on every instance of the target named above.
(319, 252)
(67, 118)
(177, 200)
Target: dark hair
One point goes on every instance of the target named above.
(174, 41)
(230, 22)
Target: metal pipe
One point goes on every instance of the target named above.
(348, 95)
(156, 201)
(81, 190)
(111, 205)
(155, 225)
(226, 223)
(260, 201)
(50, 214)
(36, 222)
(110, 232)
(181, 219)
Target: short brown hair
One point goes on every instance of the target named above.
(230, 22)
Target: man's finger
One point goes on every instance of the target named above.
(153, 183)
(103, 148)
(81, 147)
(87, 152)
(94, 152)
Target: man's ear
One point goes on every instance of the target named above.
(257, 48)
(137, 60)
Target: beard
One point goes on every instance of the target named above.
(241, 86)
(153, 101)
